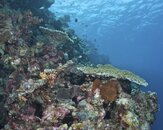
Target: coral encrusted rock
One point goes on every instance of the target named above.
(5, 26)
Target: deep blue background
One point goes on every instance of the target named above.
(130, 32)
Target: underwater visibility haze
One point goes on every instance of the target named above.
(81, 65)
(129, 32)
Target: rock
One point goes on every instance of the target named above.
(68, 93)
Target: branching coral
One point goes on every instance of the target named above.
(50, 75)
(131, 119)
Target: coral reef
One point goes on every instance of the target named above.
(56, 36)
(111, 71)
(5, 26)
(108, 90)
(43, 85)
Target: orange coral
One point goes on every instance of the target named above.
(108, 91)
(50, 78)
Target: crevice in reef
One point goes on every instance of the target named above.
(38, 109)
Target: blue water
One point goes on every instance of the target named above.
(129, 32)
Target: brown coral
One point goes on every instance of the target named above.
(108, 91)
(96, 84)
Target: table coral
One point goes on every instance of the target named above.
(56, 36)
(111, 71)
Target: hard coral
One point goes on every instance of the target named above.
(131, 119)
(5, 26)
(96, 84)
(108, 91)
(56, 36)
(21, 27)
(29, 86)
(53, 113)
(27, 50)
(49, 77)
(111, 71)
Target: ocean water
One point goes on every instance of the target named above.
(129, 32)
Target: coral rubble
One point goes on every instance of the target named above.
(44, 87)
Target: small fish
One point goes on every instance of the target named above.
(42, 7)
(76, 20)
(86, 25)
(80, 56)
